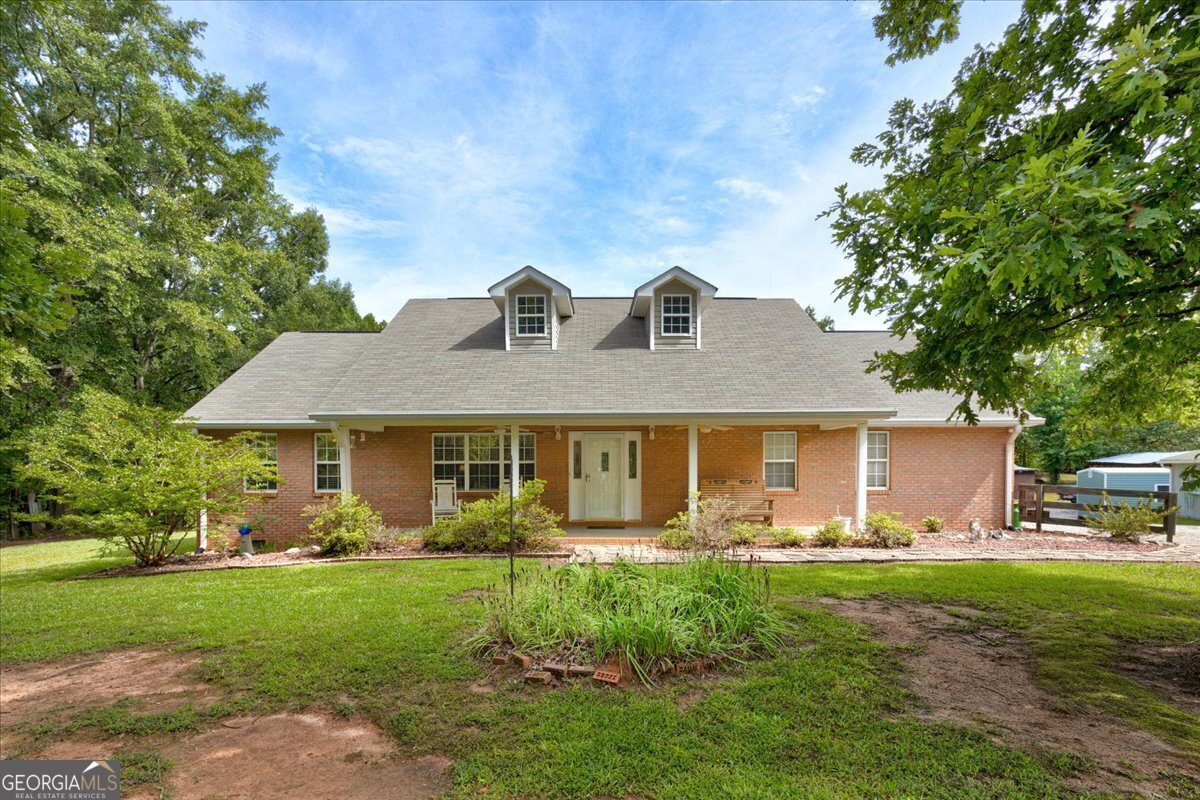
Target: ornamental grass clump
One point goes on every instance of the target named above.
(1125, 522)
(648, 617)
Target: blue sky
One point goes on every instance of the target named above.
(449, 144)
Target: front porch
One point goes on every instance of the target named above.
(623, 479)
(598, 535)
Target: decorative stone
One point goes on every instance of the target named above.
(522, 660)
(313, 548)
(975, 530)
(539, 676)
(292, 550)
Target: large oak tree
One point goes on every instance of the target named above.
(1051, 199)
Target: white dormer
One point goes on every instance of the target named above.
(533, 305)
(673, 306)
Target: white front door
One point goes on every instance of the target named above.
(602, 478)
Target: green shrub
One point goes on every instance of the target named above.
(1125, 522)
(933, 524)
(883, 529)
(708, 530)
(788, 537)
(343, 526)
(676, 539)
(745, 534)
(831, 534)
(709, 607)
(483, 526)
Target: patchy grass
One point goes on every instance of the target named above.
(824, 718)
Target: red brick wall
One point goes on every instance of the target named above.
(276, 516)
(952, 473)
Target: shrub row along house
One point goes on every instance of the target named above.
(623, 405)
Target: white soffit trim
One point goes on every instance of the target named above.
(648, 417)
(282, 424)
(643, 296)
(941, 422)
(560, 292)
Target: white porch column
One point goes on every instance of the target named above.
(343, 437)
(1010, 470)
(860, 484)
(693, 466)
(202, 530)
(514, 459)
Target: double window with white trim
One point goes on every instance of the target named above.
(476, 461)
(878, 453)
(676, 315)
(531, 315)
(779, 460)
(327, 463)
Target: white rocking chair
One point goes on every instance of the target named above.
(445, 500)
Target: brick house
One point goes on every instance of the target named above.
(621, 404)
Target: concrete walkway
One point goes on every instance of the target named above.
(1185, 553)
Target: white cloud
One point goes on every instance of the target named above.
(751, 190)
(809, 98)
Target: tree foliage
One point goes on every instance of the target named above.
(824, 323)
(1066, 441)
(146, 251)
(133, 475)
(1051, 196)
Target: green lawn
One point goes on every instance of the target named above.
(824, 719)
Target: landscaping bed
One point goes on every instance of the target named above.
(1031, 540)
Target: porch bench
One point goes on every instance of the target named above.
(747, 494)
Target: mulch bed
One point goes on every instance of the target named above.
(1030, 540)
(210, 561)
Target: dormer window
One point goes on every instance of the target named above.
(676, 315)
(673, 306)
(533, 306)
(531, 315)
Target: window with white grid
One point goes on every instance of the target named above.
(878, 447)
(779, 459)
(327, 458)
(676, 314)
(531, 315)
(267, 447)
(475, 461)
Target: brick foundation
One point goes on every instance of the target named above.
(954, 473)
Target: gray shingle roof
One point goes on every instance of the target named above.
(447, 357)
(285, 382)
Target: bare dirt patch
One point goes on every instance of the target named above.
(299, 755)
(284, 756)
(158, 680)
(1171, 670)
(981, 677)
